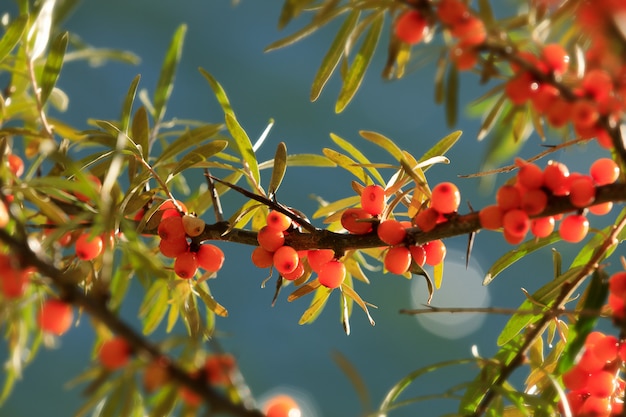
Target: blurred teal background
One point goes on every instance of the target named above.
(273, 351)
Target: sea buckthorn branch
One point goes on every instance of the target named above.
(96, 307)
(457, 225)
(539, 327)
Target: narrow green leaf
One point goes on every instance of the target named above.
(317, 305)
(306, 30)
(210, 302)
(485, 12)
(336, 206)
(199, 154)
(334, 54)
(384, 142)
(491, 117)
(279, 168)
(440, 86)
(127, 108)
(165, 401)
(405, 382)
(350, 292)
(168, 71)
(302, 160)
(543, 296)
(154, 306)
(140, 131)
(356, 72)
(99, 56)
(358, 155)
(290, 10)
(438, 274)
(12, 35)
(518, 253)
(187, 140)
(303, 290)
(355, 379)
(219, 92)
(441, 147)
(172, 316)
(452, 95)
(244, 146)
(346, 163)
(54, 62)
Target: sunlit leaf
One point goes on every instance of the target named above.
(154, 306)
(384, 142)
(317, 305)
(543, 296)
(355, 379)
(306, 30)
(359, 65)
(441, 147)
(165, 84)
(491, 117)
(12, 35)
(358, 156)
(290, 10)
(54, 62)
(302, 160)
(304, 290)
(438, 274)
(518, 253)
(201, 153)
(334, 54)
(349, 291)
(188, 140)
(346, 163)
(335, 206)
(210, 302)
(127, 107)
(99, 56)
(280, 166)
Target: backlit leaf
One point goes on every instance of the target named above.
(452, 95)
(358, 155)
(187, 140)
(518, 253)
(201, 153)
(349, 291)
(54, 62)
(280, 166)
(154, 305)
(441, 147)
(168, 71)
(384, 142)
(304, 290)
(244, 146)
(12, 35)
(302, 160)
(140, 130)
(127, 107)
(210, 302)
(346, 163)
(334, 54)
(317, 305)
(359, 65)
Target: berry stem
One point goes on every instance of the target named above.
(215, 197)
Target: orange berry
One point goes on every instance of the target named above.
(452, 11)
(435, 252)
(464, 58)
(601, 384)
(584, 114)
(286, 260)
(604, 171)
(490, 217)
(418, 253)
(189, 397)
(617, 284)
(516, 222)
(398, 260)
(169, 205)
(186, 265)
(556, 57)
(332, 274)
(210, 257)
(426, 219)
(555, 177)
(529, 175)
(411, 27)
(373, 199)
(318, 257)
(172, 228)
(262, 258)
(55, 316)
(4, 214)
(606, 348)
(534, 201)
(519, 89)
(270, 239)
(296, 273)
(544, 96)
(352, 219)
(508, 197)
(582, 191)
(281, 406)
(173, 248)
(88, 247)
(219, 367)
(558, 113)
(114, 353)
(542, 227)
(470, 31)
(598, 84)
(574, 228)
(575, 378)
(445, 198)
(391, 232)
(278, 220)
(155, 375)
(16, 164)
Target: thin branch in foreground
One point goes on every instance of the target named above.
(552, 312)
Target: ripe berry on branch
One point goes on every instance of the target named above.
(411, 27)
(55, 316)
(373, 199)
(332, 274)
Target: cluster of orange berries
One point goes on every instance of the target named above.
(412, 26)
(290, 263)
(594, 385)
(175, 229)
(445, 199)
(519, 204)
